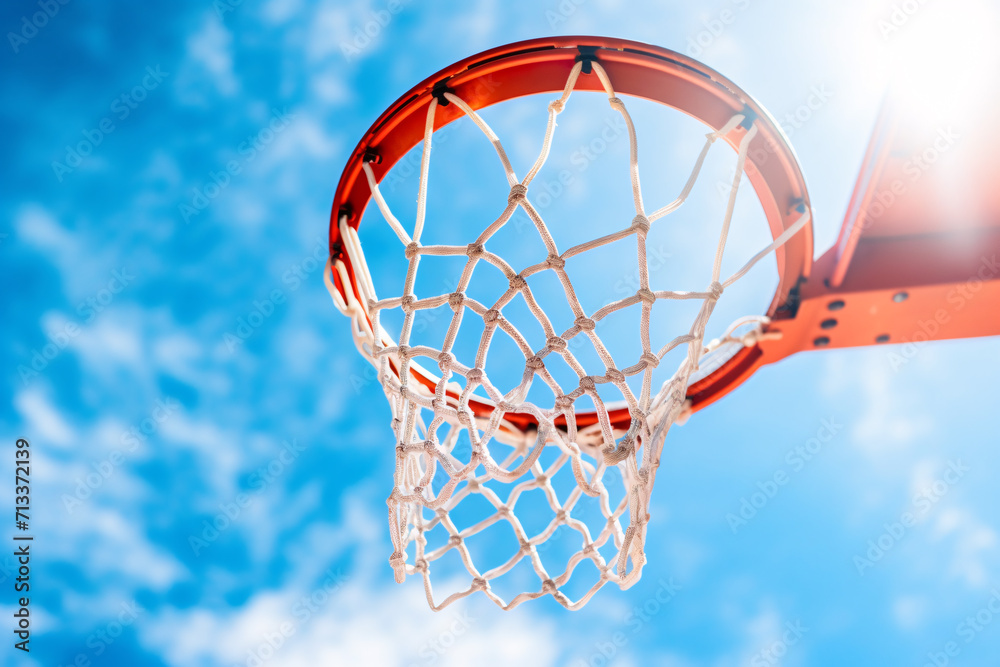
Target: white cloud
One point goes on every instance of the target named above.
(212, 48)
(361, 622)
(42, 418)
(209, 63)
(974, 553)
(112, 341)
(891, 415)
(279, 11)
(330, 27)
(357, 625)
(37, 226)
(909, 611)
(110, 548)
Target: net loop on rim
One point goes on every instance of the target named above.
(422, 409)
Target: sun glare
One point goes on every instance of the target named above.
(942, 58)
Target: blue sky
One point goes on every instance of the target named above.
(214, 138)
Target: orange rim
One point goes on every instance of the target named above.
(541, 66)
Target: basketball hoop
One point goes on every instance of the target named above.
(509, 433)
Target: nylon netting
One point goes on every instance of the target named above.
(428, 423)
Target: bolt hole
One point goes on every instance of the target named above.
(884, 338)
(836, 305)
(900, 297)
(822, 341)
(828, 324)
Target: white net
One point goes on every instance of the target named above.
(565, 461)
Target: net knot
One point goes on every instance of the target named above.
(556, 106)
(563, 402)
(491, 316)
(445, 360)
(518, 283)
(403, 352)
(616, 103)
(646, 295)
(517, 193)
(406, 303)
(398, 562)
(614, 456)
(534, 362)
(753, 337)
(372, 305)
(640, 224)
(652, 361)
(479, 584)
(587, 383)
(455, 300)
(555, 262)
(475, 250)
(716, 290)
(585, 323)
(556, 344)
(412, 250)
(455, 540)
(474, 375)
(549, 587)
(614, 375)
